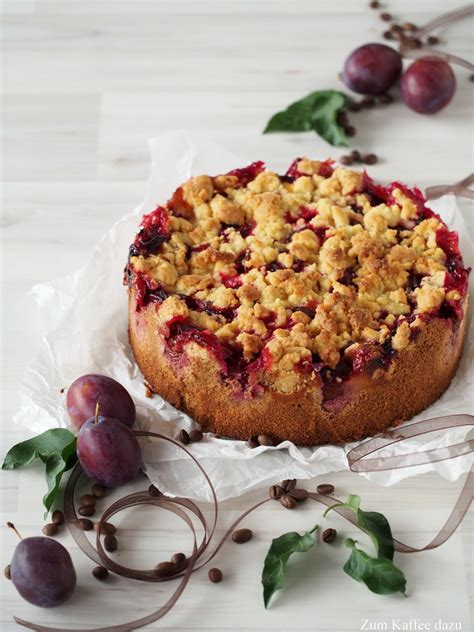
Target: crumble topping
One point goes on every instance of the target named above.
(293, 274)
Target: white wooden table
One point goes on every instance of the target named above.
(85, 84)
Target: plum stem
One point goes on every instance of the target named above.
(97, 407)
(10, 525)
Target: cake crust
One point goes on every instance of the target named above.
(317, 306)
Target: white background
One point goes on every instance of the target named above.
(84, 85)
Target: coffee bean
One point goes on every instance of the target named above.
(433, 40)
(88, 499)
(195, 435)
(276, 492)
(329, 535)
(288, 502)
(409, 26)
(351, 131)
(355, 155)
(165, 569)
(179, 560)
(242, 535)
(266, 440)
(325, 489)
(58, 517)
(100, 572)
(396, 28)
(107, 528)
(370, 159)
(300, 494)
(215, 575)
(388, 35)
(374, 4)
(184, 436)
(367, 102)
(253, 441)
(386, 17)
(85, 524)
(154, 491)
(342, 119)
(289, 484)
(416, 42)
(99, 491)
(385, 98)
(346, 160)
(86, 510)
(110, 543)
(354, 106)
(50, 529)
(7, 571)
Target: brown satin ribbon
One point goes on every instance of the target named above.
(180, 506)
(460, 189)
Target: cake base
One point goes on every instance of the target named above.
(193, 383)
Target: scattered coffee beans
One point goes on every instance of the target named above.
(370, 159)
(99, 491)
(433, 40)
(265, 439)
(386, 17)
(253, 441)
(276, 492)
(58, 517)
(355, 155)
(242, 535)
(165, 569)
(385, 99)
(107, 528)
(154, 491)
(288, 502)
(367, 102)
(7, 571)
(50, 529)
(110, 543)
(86, 510)
(179, 560)
(409, 26)
(351, 131)
(195, 435)
(100, 572)
(300, 494)
(375, 4)
(85, 524)
(289, 484)
(346, 160)
(329, 535)
(184, 436)
(88, 499)
(388, 35)
(215, 575)
(325, 489)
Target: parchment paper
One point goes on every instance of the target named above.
(84, 320)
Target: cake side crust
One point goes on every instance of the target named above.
(419, 374)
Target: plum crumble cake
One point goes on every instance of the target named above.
(316, 306)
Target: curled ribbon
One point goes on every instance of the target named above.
(183, 508)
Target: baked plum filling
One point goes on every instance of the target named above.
(154, 231)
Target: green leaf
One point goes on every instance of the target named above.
(379, 574)
(278, 554)
(42, 446)
(56, 448)
(373, 523)
(318, 111)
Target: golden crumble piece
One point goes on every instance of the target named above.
(304, 245)
(251, 344)
(351, 181)
(428, 298)
(402, 336)
(198, 190)
(172, 307)
(226, 211)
